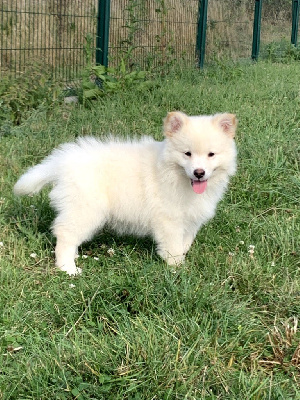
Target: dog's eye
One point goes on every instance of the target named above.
(211, 154)
(188, 153)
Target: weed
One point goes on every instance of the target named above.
(20, 95)
(135, 14)
(98, 81)
(280, 51)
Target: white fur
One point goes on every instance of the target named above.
(140, 187)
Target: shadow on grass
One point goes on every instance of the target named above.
(32, 220)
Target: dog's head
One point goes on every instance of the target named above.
(202, 145)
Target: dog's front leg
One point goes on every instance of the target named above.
(188, 238)
(170, 246)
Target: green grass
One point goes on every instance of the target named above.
(224, 325)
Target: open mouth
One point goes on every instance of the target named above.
(199, 187)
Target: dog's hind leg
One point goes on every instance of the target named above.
(71, 233)
(65, 253)
(79, 218)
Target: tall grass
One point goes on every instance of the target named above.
(224, 326)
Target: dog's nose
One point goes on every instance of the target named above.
(199, 173)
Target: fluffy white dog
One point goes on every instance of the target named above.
(167, 189)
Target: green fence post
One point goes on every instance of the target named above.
(256, 29)
(201, 32)
(295, 19)
(102, 39)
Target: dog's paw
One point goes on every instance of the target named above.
(174, 261)
(70, 269)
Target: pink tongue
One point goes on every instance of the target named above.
(199, 186)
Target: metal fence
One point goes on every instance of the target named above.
(153, 33)
(238, 29)
(54, 33)
(66, 35)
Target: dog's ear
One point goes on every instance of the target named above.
(227, 122)
(174, 122)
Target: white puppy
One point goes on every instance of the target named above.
(167, 189)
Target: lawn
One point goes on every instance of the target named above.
(224, 325)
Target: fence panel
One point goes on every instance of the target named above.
(153, 33)
(229, 29)
(51, 32)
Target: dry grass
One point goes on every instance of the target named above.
(285, 345)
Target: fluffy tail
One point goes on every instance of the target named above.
(35, 178)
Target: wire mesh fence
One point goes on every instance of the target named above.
(154, 33)
(229, 29)
(61, 34)
(54, 33)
